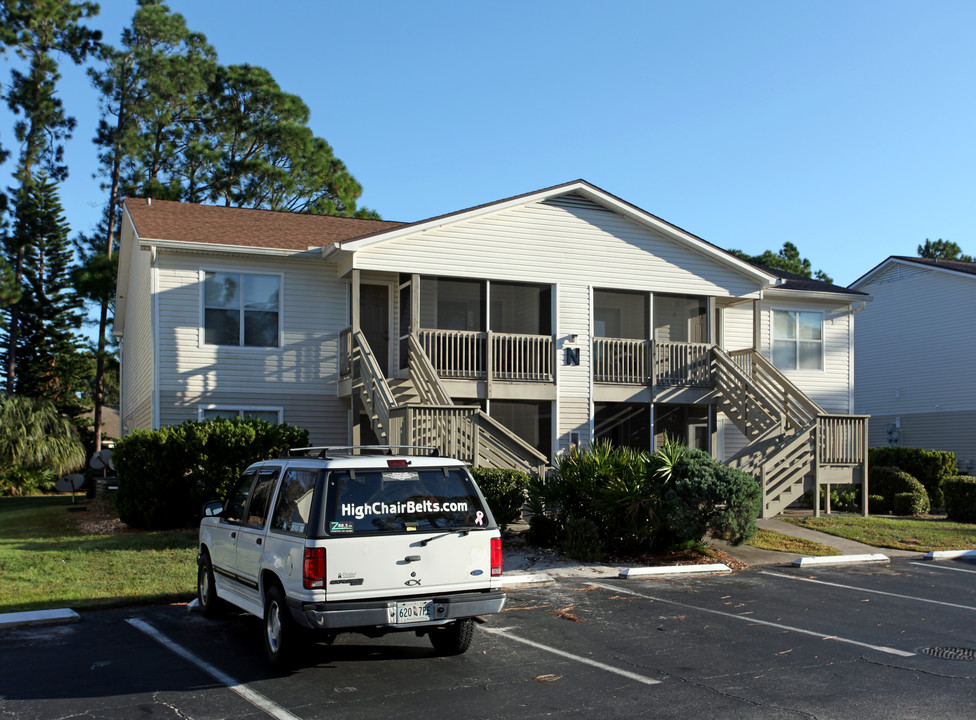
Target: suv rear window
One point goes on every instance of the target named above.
(403, 500)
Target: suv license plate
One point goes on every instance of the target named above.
(414, 611)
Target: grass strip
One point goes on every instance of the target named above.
(922, 534)
(46, 562)
(772, 540)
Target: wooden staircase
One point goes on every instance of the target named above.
(791, 437)
(418, 411)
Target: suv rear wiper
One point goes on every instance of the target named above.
(460, 533)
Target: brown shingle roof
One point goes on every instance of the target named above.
(189, 222)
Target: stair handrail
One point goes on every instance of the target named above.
(799, 409)
(376, 392)
(771, 414)
(425, 378)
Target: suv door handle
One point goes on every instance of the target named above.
(233, 535)
(258, 541)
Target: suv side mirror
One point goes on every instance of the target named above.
(213, 508)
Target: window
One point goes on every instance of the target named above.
(240, 309)
(797, 340)
(403, 500)
(294, 503)
(269, 415)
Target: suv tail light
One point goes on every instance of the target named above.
(496, 557)
(313, 568)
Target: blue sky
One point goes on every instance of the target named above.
(844, 127)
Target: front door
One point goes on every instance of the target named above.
(374, 318)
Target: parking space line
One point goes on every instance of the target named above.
(753, 621)
(253, 697)
(506, 633)
(868, 590)
(933, 566)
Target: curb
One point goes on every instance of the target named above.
(37, 618)
(950, 554)
(526, 579)
(711, 568)
(840, 560)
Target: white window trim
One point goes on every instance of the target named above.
(201, 329)
(823, 339)
(241, 409)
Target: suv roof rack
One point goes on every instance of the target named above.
(323, 451)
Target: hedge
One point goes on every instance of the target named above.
(505, 491)
(929, 467)
(166, 475)
(888, 482)
(960, 498)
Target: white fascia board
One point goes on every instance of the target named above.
(868, 276)
(122, 278)
(594, 194)
(873, 271)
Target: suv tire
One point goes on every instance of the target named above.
(453, 639)
(210, 605)
(282, 636)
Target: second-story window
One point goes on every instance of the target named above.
(797, 340)
(241, 309)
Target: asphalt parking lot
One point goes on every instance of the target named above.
(893, 640)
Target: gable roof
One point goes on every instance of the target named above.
(951, 266)
(244, 227)
(799, 283)
(590, 192)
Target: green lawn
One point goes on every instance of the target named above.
(924, 534)
(772, 540)
(45, 562)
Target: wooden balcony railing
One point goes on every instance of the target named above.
(621, 361)
(468, 355)
(682, 364)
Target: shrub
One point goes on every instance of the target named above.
(910, 503)
(165, 475)
(706, 495)
(876, 505)
(929, 467)
(846, 498)
(960, 498)
(890, 481)
(505, 491)
(582, 540)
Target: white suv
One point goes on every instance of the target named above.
(338, 542)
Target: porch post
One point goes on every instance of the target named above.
(414, 303)
(864, 469)
(354, 302)
(756, 326)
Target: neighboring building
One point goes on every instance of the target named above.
(914, 343)
(504, 334)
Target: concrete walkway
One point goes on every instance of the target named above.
(756, 556)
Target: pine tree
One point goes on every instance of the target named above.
(37, 30)
(50, 362)
(144, 87)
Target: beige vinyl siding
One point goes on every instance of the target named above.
(137, 375)
(574, 396)
(301, 376)
(831, 387)
(558, 241)
(737, 331)
(915, 347)
(914, 358)
(325, 417)
(952, 430)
